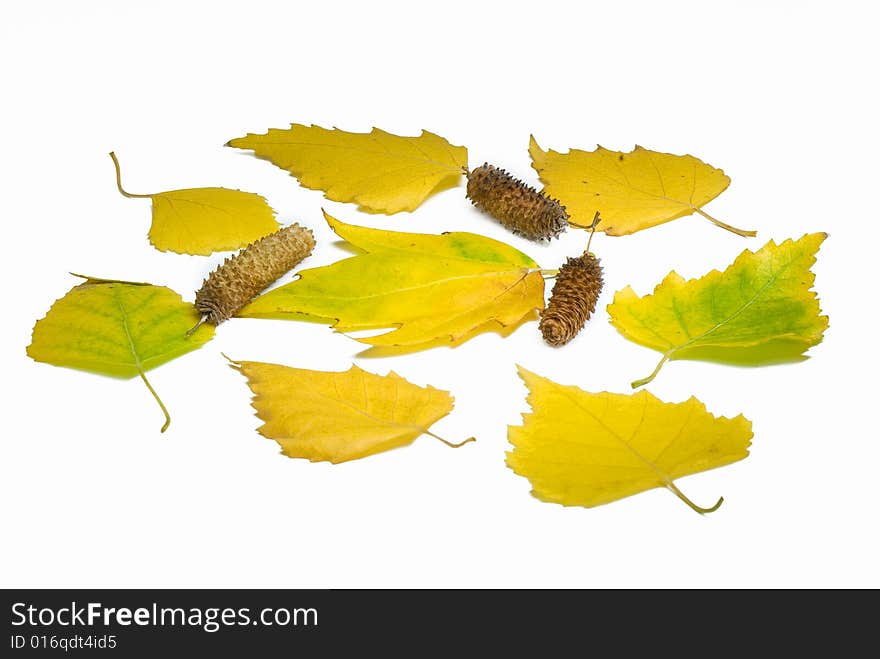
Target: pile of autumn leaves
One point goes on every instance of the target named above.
(575, 447)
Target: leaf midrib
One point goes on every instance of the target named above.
(663, 476)
(430, 284)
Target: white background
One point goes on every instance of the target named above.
(780, 95)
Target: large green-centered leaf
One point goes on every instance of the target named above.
(760, 310)
(430, 287)
(117, 328)
(381, 172)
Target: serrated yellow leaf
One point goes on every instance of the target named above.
(585, 449)
(631, 191)
(117, 328)
(760, 310)
(427, 286)
(381, 172)
(205, 220)
(320, 415)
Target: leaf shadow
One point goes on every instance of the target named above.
(776, 351)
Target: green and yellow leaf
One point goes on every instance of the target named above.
(117, 328)
(632, 191)
(760, 310)
(336, 417)
(205, 220)
(586, 449)
(428, 287)
(381, 172)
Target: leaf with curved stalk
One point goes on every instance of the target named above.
(205, 220)
(117, 328)
(586, 449)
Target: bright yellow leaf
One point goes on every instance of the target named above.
(631, 191)
(205, 220)
(760, 310)
(117, 328)
(381, 172)
(427, 286)
(584, 449)
(336, 417)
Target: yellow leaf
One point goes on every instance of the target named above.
(381, 172)
(760, 310)
(427, 286)
(205, 220)
(584, 449)
(117, 328)
(336, 417)
(632, 191)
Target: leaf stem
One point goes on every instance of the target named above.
(548, 274)
(639, 383)
(724, 225)
(593, 226)
(201, 322)
(158, 400)
(672, 488)
(448, 443)
(130, 195)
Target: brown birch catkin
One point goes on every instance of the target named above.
(240, 278)
(519, 207)
(573, 299)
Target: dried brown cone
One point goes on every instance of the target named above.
(573, 299)
(245, 275)
(517, 206)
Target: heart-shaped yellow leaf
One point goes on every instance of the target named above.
(205, 220)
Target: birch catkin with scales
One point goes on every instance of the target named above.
(516, 205)
(245, 275)
(573, 300)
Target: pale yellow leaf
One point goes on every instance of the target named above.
(205, 220)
